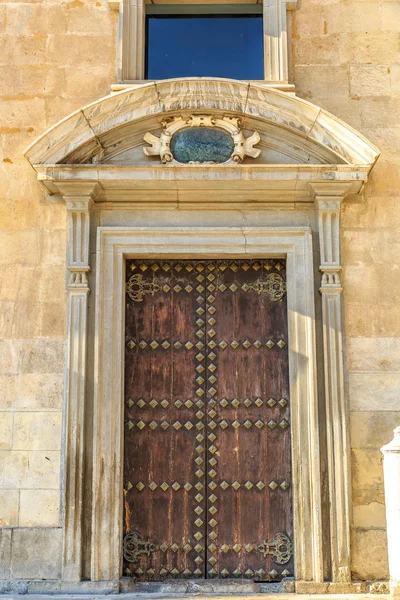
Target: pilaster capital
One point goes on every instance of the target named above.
(79, 199)
(77, 191)
(329, 195)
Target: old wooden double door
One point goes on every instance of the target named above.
(207, 481)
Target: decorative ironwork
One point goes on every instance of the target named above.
(274, 286)
(137, 288)
(281, 549)
(134, 547)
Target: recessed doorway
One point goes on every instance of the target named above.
(207, 447)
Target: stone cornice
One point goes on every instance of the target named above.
(236, 186)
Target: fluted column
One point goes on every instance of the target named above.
(328, 199)
(79, 204)
(391, 470)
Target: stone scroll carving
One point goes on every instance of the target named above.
(202, 139)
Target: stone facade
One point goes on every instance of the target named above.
(59, 56)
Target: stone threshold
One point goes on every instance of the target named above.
(127, 589)
(144, 596)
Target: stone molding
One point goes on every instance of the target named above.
(88, 135)
(328, 199)
(114, 245)
(79, 203)
(131, 39)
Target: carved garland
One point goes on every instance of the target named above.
(162, 146)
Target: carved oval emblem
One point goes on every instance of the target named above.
(202, 145)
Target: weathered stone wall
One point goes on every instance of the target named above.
(347, 60)
(55, 56)
(59, 55)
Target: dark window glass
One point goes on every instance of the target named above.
(204, 46)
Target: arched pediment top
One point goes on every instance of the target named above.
(293, 128)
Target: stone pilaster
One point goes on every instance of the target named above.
(328, 199)
(133, 39)
(275, 41)
(391, 470)
(79, 203)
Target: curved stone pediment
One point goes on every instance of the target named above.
(111, 130)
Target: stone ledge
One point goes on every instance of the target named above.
(62, 590)
(352, 588)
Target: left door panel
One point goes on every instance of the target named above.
(164, 421)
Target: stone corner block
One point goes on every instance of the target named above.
(36, 553)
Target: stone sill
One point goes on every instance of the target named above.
(289, 88)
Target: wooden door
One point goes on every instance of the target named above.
(207, 428)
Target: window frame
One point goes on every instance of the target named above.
(132, 27)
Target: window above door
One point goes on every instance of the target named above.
(197, 40)
(235, 40)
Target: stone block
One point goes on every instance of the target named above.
(24, 319)
(369, 554)
(372, 429)
(326, 48)
(77, 80)
(372, 319)
(49, 81)
(36, 553)
(391, 16)
(380, 111)
(309, 22)
(376, 48)
(5, 553)
(90, 20)
(6, 428)
(25, 19)
(349, 18)
(33, 283)
(42, 355)
(366, 281)
(23, 112)
(369, 80)
(366, 467)
(39, 508)
(374, 391)
(395, 81)
(370, 515)
(23, 49)
(319, 81)
(29, 469)
(78, 49)
(31, 391)
(364, 495)
(22, 247)
(386, 179)
(37, 431)
(366, 248)
(376, 212)
(9, 506)
(373, 354)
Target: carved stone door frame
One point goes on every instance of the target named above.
(114, 246)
